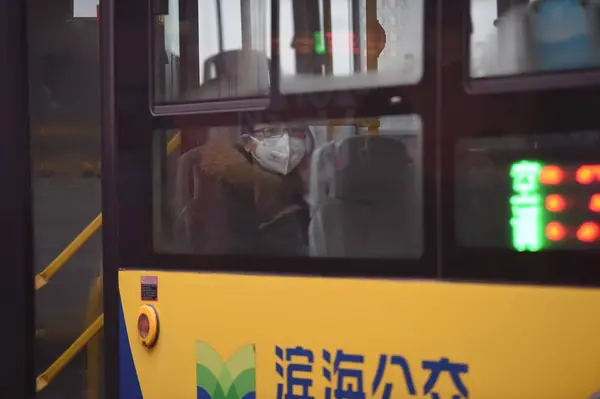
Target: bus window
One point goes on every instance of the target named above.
(529, 193)
(326, 188)
(210, 50)
(531, 36)
(350, 44)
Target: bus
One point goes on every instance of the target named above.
(350, 199)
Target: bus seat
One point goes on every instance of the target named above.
(242, 73)
(369, 212)
(235, 73)
(565, 34)
(544, 35)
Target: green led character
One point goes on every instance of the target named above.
(526, 220)
(320, 47)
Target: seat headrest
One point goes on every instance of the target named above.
(237, 63)
(236, 73)
(373, 170)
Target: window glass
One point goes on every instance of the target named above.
(171, 22)
(219, 49)
(529, 193)
(340, 44)
(523, 36)
(212, 49)
(329, 188)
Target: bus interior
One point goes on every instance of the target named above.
(325, 46)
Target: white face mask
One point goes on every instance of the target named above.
(280, 154)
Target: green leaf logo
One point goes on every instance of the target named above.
(231, 379)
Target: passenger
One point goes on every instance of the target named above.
(280, 153)
(220, 217)
(251, 195)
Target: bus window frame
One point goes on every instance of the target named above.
(518, 83)
(128, 126)
(524, 112)
(18, 248)
(265, 103)
(127, 151)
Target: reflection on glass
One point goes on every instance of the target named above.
(533, 36)
(332, 188)
(223, 50)
(341, 44)
(220, 51)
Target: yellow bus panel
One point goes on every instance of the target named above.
(241, 337)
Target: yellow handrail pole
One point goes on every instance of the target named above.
(42, 279)
(93, 375)
(45, 275)
(58, 262)
(63, 360)
(174, 143)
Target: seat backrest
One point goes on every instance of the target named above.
(235, 73)
(246, 72)
(565, 34)
(372, 210)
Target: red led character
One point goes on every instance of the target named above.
(555, 231)
(551, 175)
(353, 44)
(588, 232)
(329, 39)
(587, 174)
(594, 205)
(555, 203)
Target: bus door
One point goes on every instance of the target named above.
(519, 141)
(17, 373)
(222, 276)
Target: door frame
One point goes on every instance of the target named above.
(130, 117)
(17, 373)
